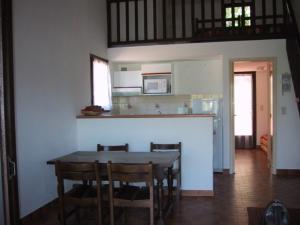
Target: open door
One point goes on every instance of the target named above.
(245, 110)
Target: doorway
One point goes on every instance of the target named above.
(9, 201)
(253, 107)
(245, 110)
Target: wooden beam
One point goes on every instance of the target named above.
(164, 19)
(223, 14)
(212, 15)
(243, 13)
(173, 19)
(193, 16)
(145, 20)
(136, 15)
(118, 22)
(127, 19)
(108, 6)
(183, 17)
(154, 21)
(274, 15)
(203, 13)
(263, 12)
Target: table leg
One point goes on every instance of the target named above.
(160, 201)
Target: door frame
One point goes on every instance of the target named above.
(254, 113)
(7, 119)
(273, 60)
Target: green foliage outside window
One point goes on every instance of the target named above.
(238, 12)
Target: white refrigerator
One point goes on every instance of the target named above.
(213, 106)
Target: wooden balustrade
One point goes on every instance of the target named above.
(171, 21)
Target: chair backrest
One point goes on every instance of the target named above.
(130, 172)
(167, 147)
(114, 148)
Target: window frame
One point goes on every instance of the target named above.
(92, 58)
(233, 19)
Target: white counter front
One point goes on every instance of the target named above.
(195, 133)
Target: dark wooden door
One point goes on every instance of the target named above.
(245, 110)
(9, 192)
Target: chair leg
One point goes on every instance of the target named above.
(99, 216)
(112, 222)
(178, 188)
(78, 216)
(151, 215)
(62, 219)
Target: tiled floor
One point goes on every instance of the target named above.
(251, 186)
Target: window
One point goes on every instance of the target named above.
(238, 18)
(100, 82)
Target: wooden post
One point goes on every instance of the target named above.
(174, 19)
(108, 6)
(154, 21)
(118, 22)
(136, 20)
(183, 17)
(193, 16)
(127, 20)
(145, 20)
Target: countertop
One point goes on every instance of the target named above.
(110, 116)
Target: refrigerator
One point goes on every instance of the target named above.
(213, 106)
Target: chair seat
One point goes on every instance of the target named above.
(81, 195)
(129, 192)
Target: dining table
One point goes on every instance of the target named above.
(162, 162)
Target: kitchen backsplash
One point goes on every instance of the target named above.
(155, 104)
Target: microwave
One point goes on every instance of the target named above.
(157, 84)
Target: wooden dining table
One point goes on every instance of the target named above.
(161, 161)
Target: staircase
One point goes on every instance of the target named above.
(293, 49)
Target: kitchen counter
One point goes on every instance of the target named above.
(108, 115)
(194, 131)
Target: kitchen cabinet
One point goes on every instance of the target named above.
(197, 77)
(127, 79)
(157, 68)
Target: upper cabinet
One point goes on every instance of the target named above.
(126, 79)
(156, 68)
(197, 77)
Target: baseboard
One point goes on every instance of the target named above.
(287, 172)
(226, 172)
(39, 214)
(197, 193)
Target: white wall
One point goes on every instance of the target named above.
(194, 133)
(52, 42)
(288, 156)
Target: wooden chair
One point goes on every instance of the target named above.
(81, 195)
(113, 148)
(176, 170)
(128, 196)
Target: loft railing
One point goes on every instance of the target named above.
(170, 21)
